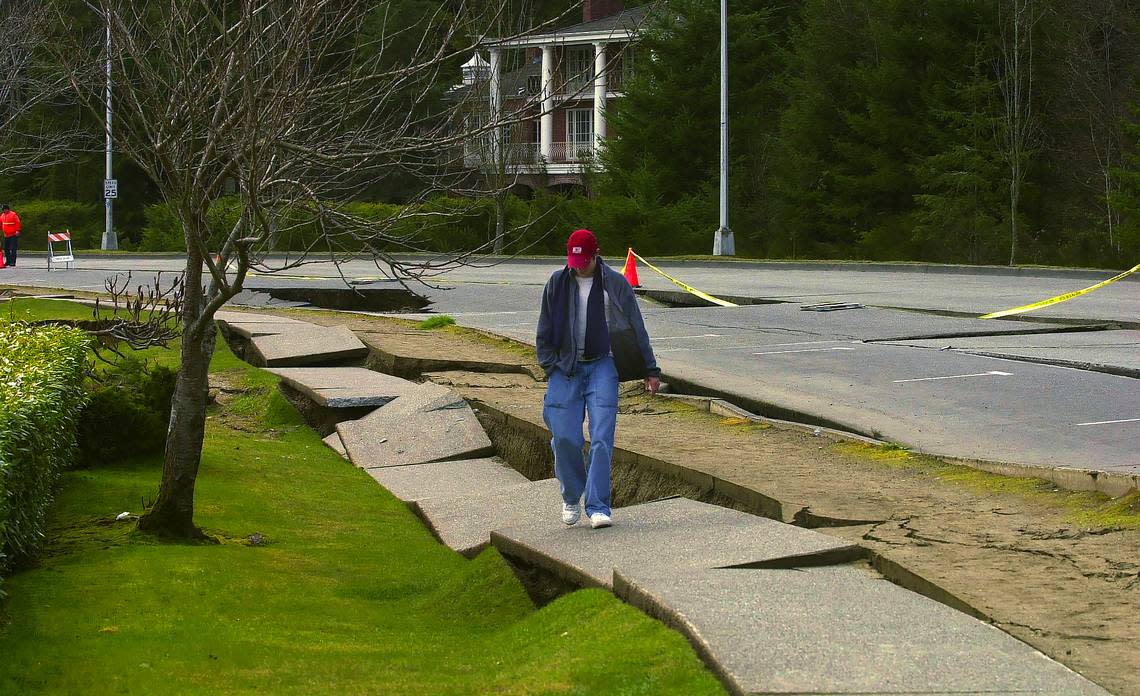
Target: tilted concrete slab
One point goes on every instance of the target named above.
(462, 478)
(427, 424)
(334, 443)
(668, 535)
(306, 344)
(465, 522)
(839, 630)
(344, 387)
(253, 318)
(251, 330)
(247, 325)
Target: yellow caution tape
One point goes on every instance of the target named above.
(1059, 298)
(311, 277)
(687, 288)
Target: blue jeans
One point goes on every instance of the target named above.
(10, 245)
(592, 390)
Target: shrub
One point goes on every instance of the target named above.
(436, 322)
(127, 414)
(41, 397)
(163, 231)
(38, 217)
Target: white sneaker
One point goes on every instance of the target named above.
(570, 514)
(599, 520)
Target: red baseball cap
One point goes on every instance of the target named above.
(581, 249)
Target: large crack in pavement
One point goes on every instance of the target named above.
(1051, 567)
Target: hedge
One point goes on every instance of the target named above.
(38, 217)
(41, 397)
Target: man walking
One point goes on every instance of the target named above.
(589, 317)
(10, 224)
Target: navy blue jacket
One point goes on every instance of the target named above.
(556, 347)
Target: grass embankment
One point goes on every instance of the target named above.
(347, 593)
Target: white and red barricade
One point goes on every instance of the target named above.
(57, 258)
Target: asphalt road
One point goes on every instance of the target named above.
(967, 393)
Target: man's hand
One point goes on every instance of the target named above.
(652, 384)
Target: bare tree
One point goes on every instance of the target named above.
(1018, 127)
(26, 84)
(1101, 55)
(291, 107)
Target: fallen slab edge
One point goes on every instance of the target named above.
(480, 453)
(468, 552)
(567, 572)
(813, 559)
(310, 360)
(639, 598)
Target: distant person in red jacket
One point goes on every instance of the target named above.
(10, 223)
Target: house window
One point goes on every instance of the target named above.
(579, 133)
(579, 68)
(534, 84)
(628, 66)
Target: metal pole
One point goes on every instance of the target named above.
(110, 240)
(723, 242)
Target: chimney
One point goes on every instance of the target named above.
(593, 10)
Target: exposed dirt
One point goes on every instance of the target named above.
(1057, 569)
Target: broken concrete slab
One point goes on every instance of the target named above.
(253, 318)
(462, 478)
(429, 423)
(334, 443)
(247, 325)
(248, 331)
(1114, 352)
(344, 387)
(666, 536)
(306, 344)
(465, 522)
(839, 630)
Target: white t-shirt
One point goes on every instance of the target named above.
(584, 287)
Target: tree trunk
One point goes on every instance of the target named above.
(1014, 191)
(500, 222)
(173, 513)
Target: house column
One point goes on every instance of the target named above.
(496, 98)
(599, 96)
(546, 129)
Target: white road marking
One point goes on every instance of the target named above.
(805, 350)
(745, 346)
(991, 373)
(1110, 422)
(677, 338)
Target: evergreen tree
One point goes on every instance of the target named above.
(666, 152)
(960, 206)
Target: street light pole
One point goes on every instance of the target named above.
(723, 242)
(110, 239)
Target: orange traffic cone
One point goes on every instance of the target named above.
(629, 270)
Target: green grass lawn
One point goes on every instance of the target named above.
(348, 594)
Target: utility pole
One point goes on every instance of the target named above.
(723, 242)
(110, 186)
